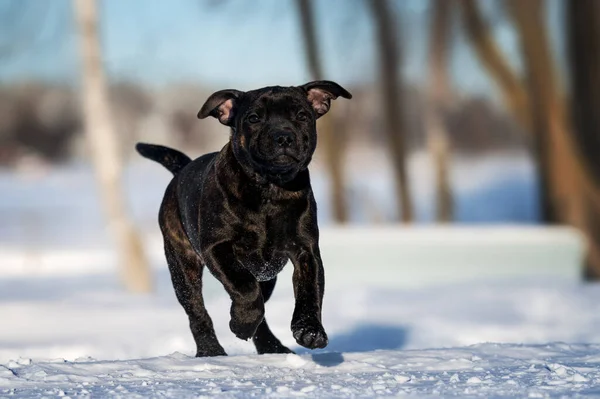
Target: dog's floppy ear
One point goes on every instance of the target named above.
(221, 105)
(321, 92)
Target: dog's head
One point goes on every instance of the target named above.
(274, 128)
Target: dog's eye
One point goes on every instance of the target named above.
(253, 118)
(301, 116)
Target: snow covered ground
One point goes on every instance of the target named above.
(67, 329)
(486, 370)
(81, 336)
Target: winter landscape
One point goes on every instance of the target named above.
(458, 195)
(523, 328)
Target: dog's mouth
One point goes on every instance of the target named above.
(279, 161)
(283, 159)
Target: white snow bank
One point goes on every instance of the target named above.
(430, 255)
(389, 256)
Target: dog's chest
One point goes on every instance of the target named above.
(262, 244)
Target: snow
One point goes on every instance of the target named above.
(470, 312)
(503, 370)
(82, 336)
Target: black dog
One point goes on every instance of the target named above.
(244, 211)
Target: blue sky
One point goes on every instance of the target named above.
(233, 43)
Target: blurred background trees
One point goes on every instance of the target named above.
(105, 150)
(391, 109)
(437, 84)
(583, 40)
(439, 97)
(331, 137)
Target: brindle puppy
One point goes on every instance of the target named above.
(244, 211)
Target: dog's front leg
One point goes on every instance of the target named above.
(309, 285)
(247, 307)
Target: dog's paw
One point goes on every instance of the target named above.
(310, 334)
(209, 346)
(243, 330)
(244, 321)
(272, 345)
(210, 352)
(277, 348)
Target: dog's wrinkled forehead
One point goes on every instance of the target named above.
(275, 99)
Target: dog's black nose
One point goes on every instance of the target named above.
(283, 138)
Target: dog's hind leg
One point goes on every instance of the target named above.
(185, 266)
(264, 340)
(186, 276)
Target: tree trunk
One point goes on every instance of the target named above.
(104, 149)
(583, 30)
(547, 116)
(511, 87)
(439, 96)
(516, 98)
(569, 185)
(330, 135)
(583, 38)
(558, 172)
(389, 75)
(574, 183)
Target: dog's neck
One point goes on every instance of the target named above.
(242, 181)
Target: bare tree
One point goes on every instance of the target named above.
(546, 113)
(392, 109)
(330, 135)
(583, 38)
(517, 99)
(486, 49)
(439, 97)
(572, 165)
(103, 144)
(569, 189)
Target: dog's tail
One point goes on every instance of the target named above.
(167, 157)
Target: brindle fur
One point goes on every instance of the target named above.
(245, 211)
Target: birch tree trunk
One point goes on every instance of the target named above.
(104, 148)
(438, 142)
